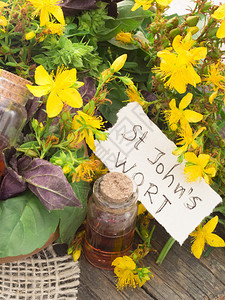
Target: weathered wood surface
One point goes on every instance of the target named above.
(181, 275)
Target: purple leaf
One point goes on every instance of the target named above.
(72, 7)
(88, 90)
(11, 186)
(12, 183)
(48, 182)
(32, 106)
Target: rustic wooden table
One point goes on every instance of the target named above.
(181, 275)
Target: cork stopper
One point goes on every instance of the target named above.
(14, 78)
(116, 187)
(14, 87)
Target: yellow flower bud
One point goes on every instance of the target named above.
(30, 35)
(66, 169)
(119, 63)
(193, 30)
(77, 253)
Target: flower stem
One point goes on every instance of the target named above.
(165, 250)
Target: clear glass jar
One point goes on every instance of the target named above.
(111, 219)
(13, 98)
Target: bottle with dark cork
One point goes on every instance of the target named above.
(111, 219)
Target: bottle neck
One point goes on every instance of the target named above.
(105, 202)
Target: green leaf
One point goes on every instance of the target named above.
(118, 96)
(25, 225)
(72, 217)
(127, 20)
(220, 209)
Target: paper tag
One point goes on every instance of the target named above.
(138, 148)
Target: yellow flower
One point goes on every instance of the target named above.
(30, 35)
(126, 271)
(118, 63)
(216, 78)
(89, 170)
(2, 5)
(175, 115)
(197, 167)
(59, 90)
(187, 140)
(141, 209)
(3, 21)
(124, 37)
(46, 9)
(204, 235)
(54, 28)
(86, 126)
(135, 96)
(219, 14)
(178, 65)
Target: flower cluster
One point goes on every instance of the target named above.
(84, 68)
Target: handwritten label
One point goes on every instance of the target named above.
(138, 148)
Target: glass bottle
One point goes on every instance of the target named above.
(111, 219)
(13, 98)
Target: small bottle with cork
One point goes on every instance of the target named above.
(13, 98)
(111, 219)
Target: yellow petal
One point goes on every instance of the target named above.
(194, 145)
(210, 225)
(198, 53)
(135, 7)
(177, 82)
(211, 171)
(3, 4)
(203, 159)
(198, 246)
(44, 16)
(163, 2)
(191, 157)
(200, 130)
(54, 105)
(214, 240)
(186, 100)
(219, 13)
(90, 140)
(42, 77)
(221, 31)
(192, 116)
(172, 104)
(193, 173)
(3, 21)
(141, 209)
(39, 91)
(180, 150)
(71, 97)
(66, 79)
(177, 43)
(212, 97)
(58, 14)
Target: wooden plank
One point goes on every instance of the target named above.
(181, 276)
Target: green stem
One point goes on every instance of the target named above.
(165, 250)
(148, 240)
